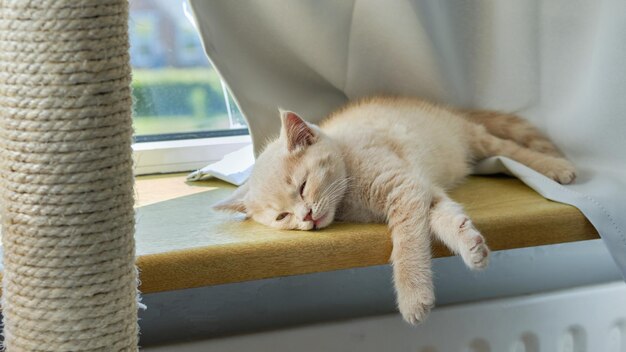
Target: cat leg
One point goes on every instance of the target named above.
(406, 204)
(454, 228)
(509, 126)
(484, 145)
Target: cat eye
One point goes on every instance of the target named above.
(302, 189)
(281, 216)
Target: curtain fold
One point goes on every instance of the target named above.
(558, 63)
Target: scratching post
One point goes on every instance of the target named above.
(69, 279)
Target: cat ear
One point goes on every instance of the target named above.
(297, 132)
(234, 203)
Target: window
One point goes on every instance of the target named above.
(184, 116)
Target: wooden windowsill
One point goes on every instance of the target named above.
(182, 243)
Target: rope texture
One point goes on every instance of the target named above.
(70, 283)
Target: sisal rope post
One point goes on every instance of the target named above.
(69, 278)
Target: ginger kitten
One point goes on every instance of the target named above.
(390, 160)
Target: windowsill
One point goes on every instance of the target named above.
(182, 243)
(180, 155)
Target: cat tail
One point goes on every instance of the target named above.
(515, 128)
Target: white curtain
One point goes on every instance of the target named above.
(559, 63)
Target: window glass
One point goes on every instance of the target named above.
(176, 91)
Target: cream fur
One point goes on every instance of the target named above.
(391, 160)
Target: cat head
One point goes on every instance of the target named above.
(297, 182)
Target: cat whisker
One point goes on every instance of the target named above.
(331, 195)
(331, 191)
(328, 190)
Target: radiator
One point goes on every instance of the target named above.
(591, 318)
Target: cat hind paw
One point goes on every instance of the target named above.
(558, 169)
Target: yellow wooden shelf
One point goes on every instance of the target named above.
(182, 243)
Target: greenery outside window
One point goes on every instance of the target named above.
(180, 101)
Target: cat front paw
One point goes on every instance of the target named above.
(474, 251)
(416, 304)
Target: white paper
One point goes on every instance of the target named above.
(234, 168)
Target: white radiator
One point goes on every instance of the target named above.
(591, 319)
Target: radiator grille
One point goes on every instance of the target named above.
(586, 319)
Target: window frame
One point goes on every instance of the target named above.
(188, 151)
(169, 156)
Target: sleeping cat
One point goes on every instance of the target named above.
(385, 159)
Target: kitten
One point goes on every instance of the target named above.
(390, 160)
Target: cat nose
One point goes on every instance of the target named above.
(309, 216)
